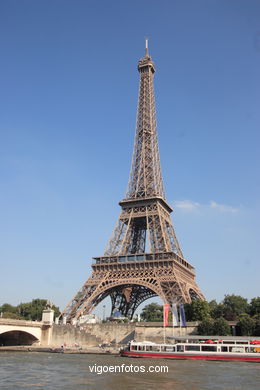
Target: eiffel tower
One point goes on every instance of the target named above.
(143, 258)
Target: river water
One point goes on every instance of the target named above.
(51, 371)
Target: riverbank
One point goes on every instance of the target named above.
(90, 350)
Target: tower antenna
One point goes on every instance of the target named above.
(146, 47)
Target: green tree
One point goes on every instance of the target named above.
(201, 310)
(246, 325)
(212, 306)
(25, 310)
(257, 325)
(254, 307)
(7, 308)
(14, 316)
(216, 309)
(33, 310)
(152, 313)
(205, 327)
(221, 327)
(197, 310)
(188, 312)
(234, 306)
(28, 311)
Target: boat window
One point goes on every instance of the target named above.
(141, 347)
(209, 348)
(156, 348)
(192, 348)
(254, 350)
(224, 349)
(236, 349)
(133, 347)
(180, 348)
(168, 348)
(153, 348)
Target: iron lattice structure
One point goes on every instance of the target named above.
(143, 257)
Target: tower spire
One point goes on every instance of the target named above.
(145, 177)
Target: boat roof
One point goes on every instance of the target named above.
(191, 338)
(197, 337)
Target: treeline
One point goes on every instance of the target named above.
(28, 311)
(214, 317)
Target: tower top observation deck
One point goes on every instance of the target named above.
(146, 62)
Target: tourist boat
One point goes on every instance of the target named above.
(197, 348)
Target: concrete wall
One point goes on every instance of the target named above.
(112, 332)
(155, 332)
(70, 335)
(94, 334)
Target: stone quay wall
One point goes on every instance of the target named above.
(114, 333)
(156, 333)
(70, 335)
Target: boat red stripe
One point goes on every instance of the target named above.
(186, 356)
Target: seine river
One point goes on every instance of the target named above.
(51, 371)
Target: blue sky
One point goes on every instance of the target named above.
(68, 97)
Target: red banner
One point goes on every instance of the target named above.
(166, 309)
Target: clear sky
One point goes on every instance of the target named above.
(68, 97)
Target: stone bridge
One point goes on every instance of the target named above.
(21, 332)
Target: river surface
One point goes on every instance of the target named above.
(51, 371)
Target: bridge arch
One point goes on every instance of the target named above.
(17, 337)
